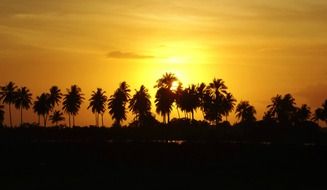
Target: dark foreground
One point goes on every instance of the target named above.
(162, 165)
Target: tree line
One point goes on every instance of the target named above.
(213, 100)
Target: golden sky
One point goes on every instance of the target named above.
(259, 47)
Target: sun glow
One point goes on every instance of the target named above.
(174, 86)
(176, 60)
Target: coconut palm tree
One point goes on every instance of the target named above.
(98, 104)
(2, 115)
(166, 81)
(42, 106)
(213, 100)
(23, 101)
(190, 100)
(321, 113)
(117, 103)
(283, 108)
(164, 103)
(140, 105)
(165, 97)
(177, 96)
(303, 113)
(55, 96)
(8, 95)
(217, 88)
(201, 90)
(228, 104)
(72, 102)
(245, 112)
(56, 117)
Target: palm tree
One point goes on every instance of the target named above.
(189, 100)
(213, 100)
(166, 81)
(56, 117)
(201, 90)
(55, 96)
(177, 96)
(117, 103)
(140, 105)
(303, 113)
(23, 101)
(164, 102)
(321, 113)
(42, 106)
(8, 95)
(217, 88)
(72, 102)
(165, 97)
(98, 104)
(2, 115)
(282, 108)
(245, 112)
(228, 104)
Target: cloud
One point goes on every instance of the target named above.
(128, 55)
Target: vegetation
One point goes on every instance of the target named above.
(117, 103)
(72, 102)
(213, 100)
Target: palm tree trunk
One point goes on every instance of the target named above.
(168, 118)
(10, 115)
(21, 116)
(102, 120)
(69, 119)
(44, 120)
(73, 121)
(39, 119)
(192, 115)
(96, 119)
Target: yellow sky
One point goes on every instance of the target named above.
(260, 48)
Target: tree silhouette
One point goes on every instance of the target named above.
(2, 115)
(303, 113)
(72, 102)
(55, 96)
(228, 104)
(117, 103)
(321, 113)
(97, 104)
(23, 100)
(166, 81)
(245, 112)
(56, 117)
(189, 100)
(213, 100)
(177, 96)
(164, 103)
(140, 105)
(42, 106)
(201, 91)
(164, 96)
(282, 108)
(8, 96)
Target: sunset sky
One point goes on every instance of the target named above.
(258, 47)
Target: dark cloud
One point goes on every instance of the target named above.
(127, 55)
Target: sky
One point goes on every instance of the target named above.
(260, 48)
